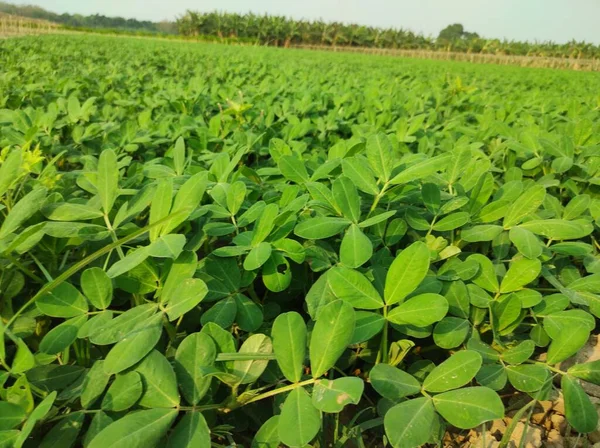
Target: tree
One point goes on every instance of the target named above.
(456, 32)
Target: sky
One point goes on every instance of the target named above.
(541, 20)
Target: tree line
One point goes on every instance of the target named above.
(90, 21)
(284, 32)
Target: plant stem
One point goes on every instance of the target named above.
(279, 391)
(383, 349)
(113, 235)
(24, 270)
(377, 199)
(208, 407)
(83, 263)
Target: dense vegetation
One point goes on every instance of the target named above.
(283, 31)
(92, 21)
(201, 243)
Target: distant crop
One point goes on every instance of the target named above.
(250, 247)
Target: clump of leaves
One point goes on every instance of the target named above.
(323, 266)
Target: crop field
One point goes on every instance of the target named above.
(205, 245)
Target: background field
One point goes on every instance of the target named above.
(212, 189)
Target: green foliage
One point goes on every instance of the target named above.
(284, 31)
(204, 245)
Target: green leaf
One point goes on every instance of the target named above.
(333, 396)
(97, 287)
(379, 154)
(159, 381)
(347, 199)
(527, 377)
(299, 421)
(525, 205)
(235, 196)
(566, 343)
(559, 322)
(589, 283)
(94, 384)
(186, 297)
(221, 313)
(320, 228)
(167, 246)
(579, 410)
(493, 376)
(577, 206)
(8, 438)
(257, 256)
(520, 273)
(469, 407)
(393, 383)
(420, 311)
(331, 335)
(249, 371)
(486, 277)
(409, 424)
(451, 222)
(22, 211)
(264, 224)
(10, 170)
(481, 233)
(406, 272)
(38, 414)
(559, 229)
(354, 288)
(63, 301)
(422, 169)
(293, 169)
(62, 336)
(108, 179)
(505, 312)
(519, 353)
(195, 351)
(123, 393)
(100, 421)
(23, 360)
(356, 248)
(133, 347)
(276, 273)
(450, 332)
(161, 206)
(268, 434)
(186, 201)
(11, 415)
(367, 325)
(64, 433)
(431, 197)
(136, 430)
(192, 431)
(249, 316)
(376, 219)
(182, 269)
(526, 242)
(454, 372)
(133, 259)
(65, 211)
(289, 344)
(54, 377)
(457, 294)
(179, 156)
(360, 174)
(588, 371)
(116, 329)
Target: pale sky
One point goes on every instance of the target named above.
(557, 20)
